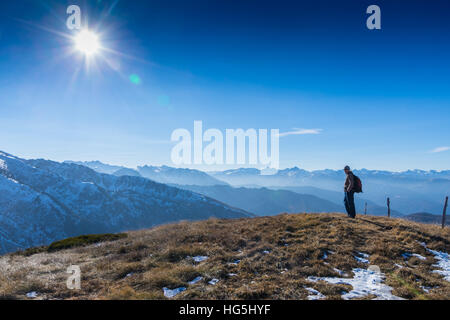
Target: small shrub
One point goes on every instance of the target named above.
(85, 240)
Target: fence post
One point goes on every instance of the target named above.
(444, 212)
(365, 209)
(389, 207)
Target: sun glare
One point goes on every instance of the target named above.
(87, 42)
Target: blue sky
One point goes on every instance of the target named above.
(381, 98)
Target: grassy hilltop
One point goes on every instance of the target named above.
(259, 258)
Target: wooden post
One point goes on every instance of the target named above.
(365, 209)
(444, 212)
(389, 207)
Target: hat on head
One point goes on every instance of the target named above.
(346, 168)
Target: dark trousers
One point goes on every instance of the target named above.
(349, 201)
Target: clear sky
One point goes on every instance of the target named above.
(376, 99)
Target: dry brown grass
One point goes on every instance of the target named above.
(139, 266)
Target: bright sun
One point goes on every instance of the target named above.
(87, 42)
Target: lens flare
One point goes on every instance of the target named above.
(135, 79)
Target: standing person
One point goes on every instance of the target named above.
(349, 188)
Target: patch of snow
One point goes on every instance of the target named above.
(170, 293)
(235, 262)
(443, 263)
(398, 266)
(342, 273)
(314, 294)
(3, 165)
(425, 289)
(213, 281)
(200, 258)
(266, 251)
(284, 270)
(362, 260)
(362, 257)
(197, 279)
(364, 283)
(232, 274)
(129, 275)
(32, 294)
(362, 254)
(408, 255)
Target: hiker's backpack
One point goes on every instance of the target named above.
(357, 184)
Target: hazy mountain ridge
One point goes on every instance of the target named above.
(424, 217)
(338, 198)
(263, 201)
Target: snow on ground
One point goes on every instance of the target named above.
(365, 282)
(443, 263)
(32, 294)
(235, 262)
(213, 281)
(200, 258)
(314, 294)
(170, 293)
(194, 281)
(443, 259)
(363, 257)
(408, 255)
(426, 289)
(342, 273)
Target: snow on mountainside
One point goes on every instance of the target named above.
(97, 166)
(42, 201)
(161, 174)
(165, 174)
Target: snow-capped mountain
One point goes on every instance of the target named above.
(98, 166)
(161, 174)
(42, 201)
(165, 174)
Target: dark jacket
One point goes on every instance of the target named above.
(349, 182)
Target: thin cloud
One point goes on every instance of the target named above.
(297, 132)
(440, 149)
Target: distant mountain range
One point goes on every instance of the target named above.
(42, 201)
(409, 191)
